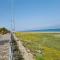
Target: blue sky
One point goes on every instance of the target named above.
(30, 14)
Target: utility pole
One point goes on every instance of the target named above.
(12, 29)
(12, 16)
(13, 25)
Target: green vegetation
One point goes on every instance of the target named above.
(3, 31)
(44, 46)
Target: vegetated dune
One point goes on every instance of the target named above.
(4, 30)
(44, 46)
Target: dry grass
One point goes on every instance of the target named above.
(44, 46)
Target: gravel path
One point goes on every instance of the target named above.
(5, 47)
(26, 55)
(19, 51)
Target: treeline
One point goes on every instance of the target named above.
(4, 30)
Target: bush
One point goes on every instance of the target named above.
(4, 31)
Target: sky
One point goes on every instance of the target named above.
(30, 14)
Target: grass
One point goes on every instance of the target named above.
(44, 46)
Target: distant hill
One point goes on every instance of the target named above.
(49, 30)
(44, 30)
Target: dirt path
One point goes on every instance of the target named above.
(4, 47)
(26, 55)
